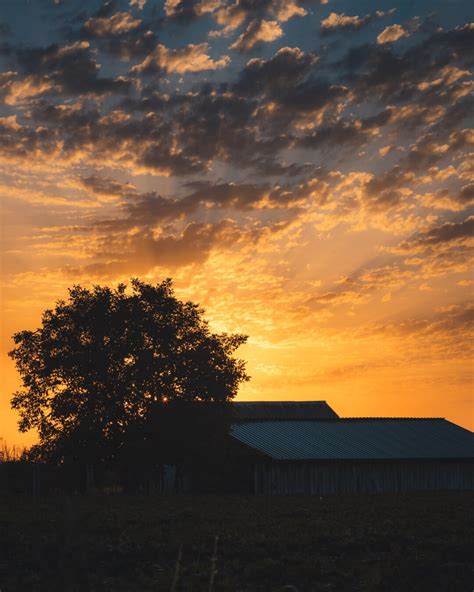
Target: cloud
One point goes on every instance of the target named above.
(245, 196)
(81, 133)
(149, 209)
(287, 89)
(23, 89)
(440, 237)
(377, 72)
(391, 188)
(287, 9)
(310, 187)
(446, 333)
(337, 22)
(187, 10)
(18, 141)
(136, 44)
(261, 19)
(333, 299)
(255, 118)
(384, 191)
(140, 250)
(105, 186)
(119, 23)
(67, 70)
(466, 194)
(258, 31)
(391, 33)
(288, 66)
(338, 135)
(362, 286)
(190, 58)
(233, 15)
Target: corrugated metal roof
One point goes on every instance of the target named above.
(356, 439)
(273, 410)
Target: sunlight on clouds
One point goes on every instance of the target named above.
(391, 34)
(191, 58)
(304, 173)
(257, 32)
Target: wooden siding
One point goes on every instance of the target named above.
(348, 477)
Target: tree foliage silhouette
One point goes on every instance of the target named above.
(115, 370)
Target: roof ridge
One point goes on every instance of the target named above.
(398, 418)
(279, 402)
(335, 419)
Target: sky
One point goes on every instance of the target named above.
(302, 170)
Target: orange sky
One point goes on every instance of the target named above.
(309, 188)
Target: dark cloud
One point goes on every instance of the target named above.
(384, 190)
(273, 105)
(148, 209)
(70, 69)
(378, 72)
(288, 87)
(106, 8)
(134, 45)
(270, 167)
(185, 11)
(220, 125)
(19, 142)
(427, 151)
(271, 77)
(241, 196)
(440, 236)
(337, 135)
(77, 118)
(151, 208)
(310, 96)
(458, 110)
(342, 134)
(287, 147)
(466, 194)
(145, 141)
(106, 186)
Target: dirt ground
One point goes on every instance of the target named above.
(380, 543)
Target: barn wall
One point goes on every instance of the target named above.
(289, 477)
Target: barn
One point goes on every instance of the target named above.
(306, 448)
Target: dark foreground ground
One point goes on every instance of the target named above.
(378, 543)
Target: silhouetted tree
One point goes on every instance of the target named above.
(115, 374)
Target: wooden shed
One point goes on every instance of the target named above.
(305, 448)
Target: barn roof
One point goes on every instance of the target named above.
(351, 439)
(277, 410)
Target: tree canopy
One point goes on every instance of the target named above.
(107, 362)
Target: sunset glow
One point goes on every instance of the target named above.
(303, 171)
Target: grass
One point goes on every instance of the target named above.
(117, 543)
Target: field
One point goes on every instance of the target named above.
(118, 543)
